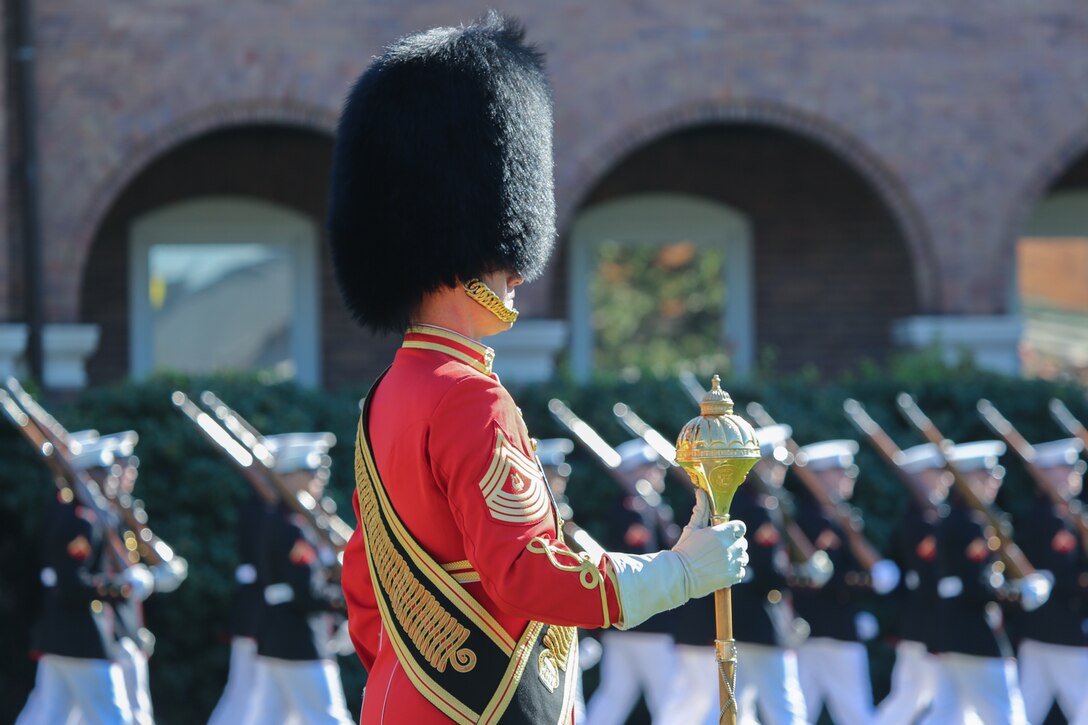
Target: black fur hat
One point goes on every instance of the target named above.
(442, 169)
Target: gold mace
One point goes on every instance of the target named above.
(717, 449)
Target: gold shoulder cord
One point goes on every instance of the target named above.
(434, 632)
(482, 294)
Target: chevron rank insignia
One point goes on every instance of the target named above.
(513, 486)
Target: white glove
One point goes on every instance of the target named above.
(140, 581)
(704, 560)
(1034, 591)
(885, 576)
(170, 574)
(817, 571)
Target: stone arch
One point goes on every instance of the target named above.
(851, 150)
(140, 153)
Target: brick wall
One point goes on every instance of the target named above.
(959, 114)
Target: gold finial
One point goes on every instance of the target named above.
(717, 448)
(716, 401)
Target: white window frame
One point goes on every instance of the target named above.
(228, 220)
(648, 219)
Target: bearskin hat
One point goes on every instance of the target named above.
(442, 169)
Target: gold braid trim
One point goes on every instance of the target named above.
(589, 575)
(559, 640)
(483, 294)
(434, 632)
(557, 643)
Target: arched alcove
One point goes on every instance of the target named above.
(830, 268)
(283, 171)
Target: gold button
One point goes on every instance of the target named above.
(774, 596)
(96, 606)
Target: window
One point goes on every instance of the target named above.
(224, 284)
(661, 282)
(1052, 288)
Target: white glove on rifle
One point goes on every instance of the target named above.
(1034, 590)
(140, 582)
(704, 560)
(885, 576)
(170, 574)
(816, 572)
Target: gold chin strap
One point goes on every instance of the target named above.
(482, 294)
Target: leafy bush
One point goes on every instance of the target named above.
(191, 494)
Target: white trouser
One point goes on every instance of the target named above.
(767, 685)
(73, 689)
(307, 692)
(1051, 672)
(693, 694)
(579, 702)
(632, 662)
(1081, 718)
(133, 662)
(768, 681)
(235, 701)
(983, 689)
(837, 673)
(915, 680)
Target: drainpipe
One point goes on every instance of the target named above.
(24, 116)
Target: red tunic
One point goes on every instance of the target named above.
(456, 460)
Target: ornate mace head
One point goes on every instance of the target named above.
(717, 449)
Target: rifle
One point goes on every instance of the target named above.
(610, 460)
(1013, 558)
(798, 545)
(67, 478)
(245, 462)
(257, 472)
(1068, 509)
(321, 514)
(1067, 420)
(139, 537)
(692, 386)
(889, 452)
(844, 516)
(236, 454)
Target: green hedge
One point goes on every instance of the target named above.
(191, 494)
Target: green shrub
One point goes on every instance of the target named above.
(191, 494)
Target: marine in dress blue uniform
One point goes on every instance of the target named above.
(973, 645)
(135, 643)
(916, 677)
(767, 627)
(641, 660)
(1053, 652)
(296, 674)
(833, 662)
(246, 612)
(75, 635)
